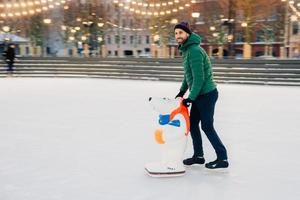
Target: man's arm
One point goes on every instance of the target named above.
(197, 69)
(184, 85)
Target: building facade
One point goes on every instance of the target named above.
(105, 28)
(125, 35)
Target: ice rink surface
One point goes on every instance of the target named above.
(88, 139)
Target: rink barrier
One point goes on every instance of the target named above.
(266, 72)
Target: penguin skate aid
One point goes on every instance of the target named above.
(171, 134)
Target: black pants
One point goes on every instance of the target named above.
(203, 111)
(10, 65)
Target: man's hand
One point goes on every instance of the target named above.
(180, 94)
(187, 102)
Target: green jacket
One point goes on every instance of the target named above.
(198, 77)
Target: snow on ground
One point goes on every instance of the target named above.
(88, 139)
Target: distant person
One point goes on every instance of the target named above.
(203, 96)
(10, 56)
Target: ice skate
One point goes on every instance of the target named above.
(160, 170)
(217, 164)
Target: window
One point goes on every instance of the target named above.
(139, 39)
(147, 39)
(273, 16)
(116, 7)
(265, 35)
(295, 28)
(27, 50)
(131, 23)
(124, 39)
(108, 39)
(131, 39)
(128, 53)
(260, 37)
(117, 39)
(124, 23)
(147, 22)
(239, 37)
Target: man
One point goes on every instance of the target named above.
(203, 96)
(10, 57)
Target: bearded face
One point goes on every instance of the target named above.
(180, 35)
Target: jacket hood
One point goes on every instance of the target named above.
(192, 39)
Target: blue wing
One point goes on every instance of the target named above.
(164, 119)
(175, 123)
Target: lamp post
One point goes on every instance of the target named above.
(6, 30)
(212, 28)
(174, 21)
(92, 32)
(247, 51)
(47, 22)
(230, 23)
(173, 42)
(100, 39)
(287, 29)
(195, 16)
(6, 38)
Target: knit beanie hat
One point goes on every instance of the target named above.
(184, 26)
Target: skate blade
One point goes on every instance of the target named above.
(218, 170)
(165, 174)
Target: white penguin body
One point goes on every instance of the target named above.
(171, 135)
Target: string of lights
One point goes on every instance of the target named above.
(19, 8)
(128, 4)
(126, 28)
(113, 25)
(153, 9)
(147, 5)
(293, 8)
